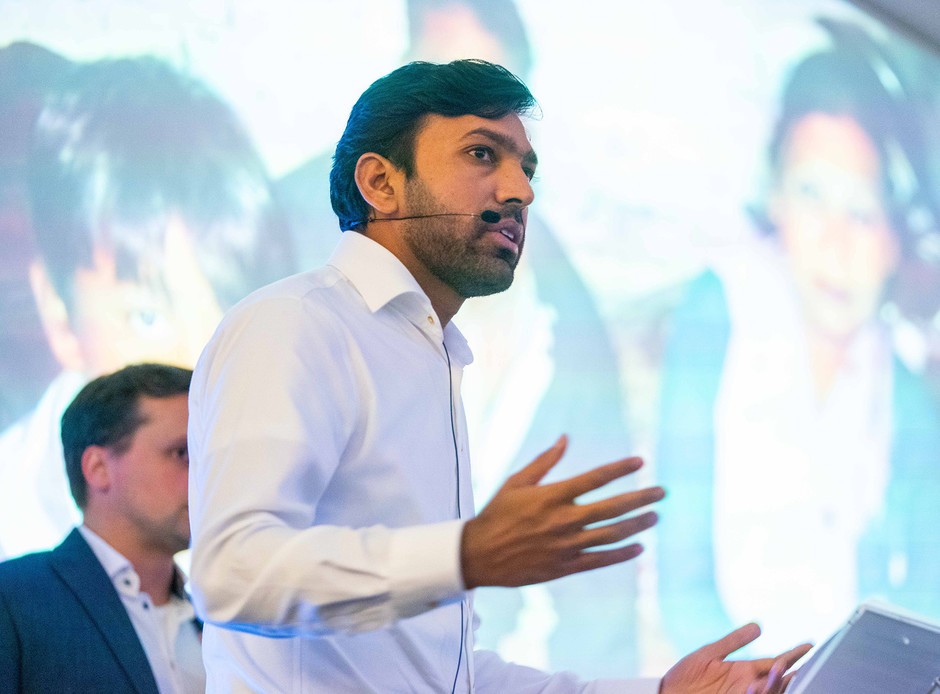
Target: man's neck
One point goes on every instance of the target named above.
(154, 567)
(444, 300)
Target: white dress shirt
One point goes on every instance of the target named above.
(329, 484)
(168, 633)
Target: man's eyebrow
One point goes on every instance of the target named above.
(528, 156)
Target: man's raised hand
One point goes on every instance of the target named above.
(531, 532)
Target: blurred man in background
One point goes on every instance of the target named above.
(105, 610)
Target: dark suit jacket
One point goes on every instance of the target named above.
(63, 627)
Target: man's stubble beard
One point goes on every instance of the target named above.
(446, 246)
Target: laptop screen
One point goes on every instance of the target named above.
(878, 651)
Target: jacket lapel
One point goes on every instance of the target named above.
(79, 568)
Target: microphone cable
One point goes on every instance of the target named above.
(488, 216)
(453, 434)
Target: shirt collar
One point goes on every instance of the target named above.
(375, 272)
(115, 564)
(119, 568)
(382, 280)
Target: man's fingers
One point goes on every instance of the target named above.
(615, 506)
(775, 677)
(573, 487)
(588, 561)
(778, 679)
(788, 658)
(570, 489)
(615, 532)
(534, 472)
(728, 644)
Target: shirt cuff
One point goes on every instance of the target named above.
(425, 562)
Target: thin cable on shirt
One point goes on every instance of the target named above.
(453, 434)
(453, 689)
(453, 428)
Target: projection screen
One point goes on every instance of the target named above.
(731, 269)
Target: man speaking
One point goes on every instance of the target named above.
(335, 546)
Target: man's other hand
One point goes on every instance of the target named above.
(707, 672)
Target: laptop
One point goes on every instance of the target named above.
(880, 650)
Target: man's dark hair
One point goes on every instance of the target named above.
(106, 412)
(123, 145)
(389, 114)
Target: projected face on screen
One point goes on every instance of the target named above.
(790, 428)
(827, 207)
(165, 314)
(729, 196)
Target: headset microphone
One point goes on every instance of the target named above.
(488, 216)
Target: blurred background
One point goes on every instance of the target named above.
(731, 269)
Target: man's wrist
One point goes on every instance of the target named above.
(468, 563)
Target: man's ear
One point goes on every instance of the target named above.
(55, 319)
(95, 469)
(380, 183)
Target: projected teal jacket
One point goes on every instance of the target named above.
(899, 553)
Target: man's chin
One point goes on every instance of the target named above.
(491, 285)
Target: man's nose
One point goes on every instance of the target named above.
(515, 186)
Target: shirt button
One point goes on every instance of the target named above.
(431, 320)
